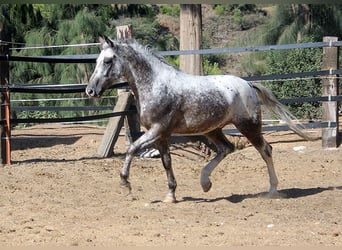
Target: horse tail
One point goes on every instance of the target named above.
(271, 102)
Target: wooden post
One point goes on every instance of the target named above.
(191, 38)
(4, 97)
(330, 134)
(124, 32)
(114, 126)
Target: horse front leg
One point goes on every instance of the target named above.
(163, 148)
(146, 140)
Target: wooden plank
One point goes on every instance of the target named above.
(114, 125)
(330, 135)
(124, 32)
(190, 38)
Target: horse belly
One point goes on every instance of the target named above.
(203, 117)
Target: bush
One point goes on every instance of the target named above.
(219, 9)
(171, 10)
(211, 68)
(291, 61)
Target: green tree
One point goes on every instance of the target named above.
(298, 23)
(84, 28)
(291, 23)
(296, 60)
(23, 17)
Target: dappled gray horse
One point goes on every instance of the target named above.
(171, 101)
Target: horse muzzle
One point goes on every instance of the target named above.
(91, 92)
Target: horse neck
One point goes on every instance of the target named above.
(137, 70)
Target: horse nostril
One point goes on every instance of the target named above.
(90, 92)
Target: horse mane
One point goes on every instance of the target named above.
(147, 52)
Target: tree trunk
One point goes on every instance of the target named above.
(191, 37)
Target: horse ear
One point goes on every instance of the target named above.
(110, 42)
(105, 40)
(102, 40)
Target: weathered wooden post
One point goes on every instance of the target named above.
(4, 97)
(191, 38)
(330, 134)
(124, 32)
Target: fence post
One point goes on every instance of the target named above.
(191, 38)
(5, 150)
(330, 85)
(4, 80)
(114, 126)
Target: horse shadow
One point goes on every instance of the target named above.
(291, 193)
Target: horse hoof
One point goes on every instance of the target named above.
(127, 186)
(275, 195)
(207, 186)
(170, 199)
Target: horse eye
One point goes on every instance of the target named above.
(107, 60)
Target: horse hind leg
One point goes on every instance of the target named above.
(252, 131)
(223, 147)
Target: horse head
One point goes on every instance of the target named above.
(108, 68)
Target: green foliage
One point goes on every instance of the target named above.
(212, 64)
(23, 17)
(211, 68)
(254, 63)
(219, 9)
(296, 60)
(82, 28)
(148, 31)
(243, 8)
(292, 23)
(295, 23)
(173, 60)
(171, 10)
(237, 16)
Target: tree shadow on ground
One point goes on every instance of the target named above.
(40, 160)
(27, 142)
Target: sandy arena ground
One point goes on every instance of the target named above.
(57, 192)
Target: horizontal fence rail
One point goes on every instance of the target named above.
(54, 88)
(253, 49)
(91, 58)
(59, 108)
(71, 119)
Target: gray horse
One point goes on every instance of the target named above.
(171, 101)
